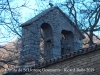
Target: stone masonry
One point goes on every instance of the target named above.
(52, 46)
(42, 36)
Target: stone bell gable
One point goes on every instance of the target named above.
(49, 35)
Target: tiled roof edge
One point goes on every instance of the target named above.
(71, 55)
(80, 52)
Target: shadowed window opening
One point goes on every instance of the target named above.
(66, 42)
(46, 41)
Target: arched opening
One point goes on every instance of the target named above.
(46, 40)
(67, 42)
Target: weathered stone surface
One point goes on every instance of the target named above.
(43, 35)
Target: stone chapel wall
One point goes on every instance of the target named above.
(31, 39)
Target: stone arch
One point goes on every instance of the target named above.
(67, 42)
(46, 40)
